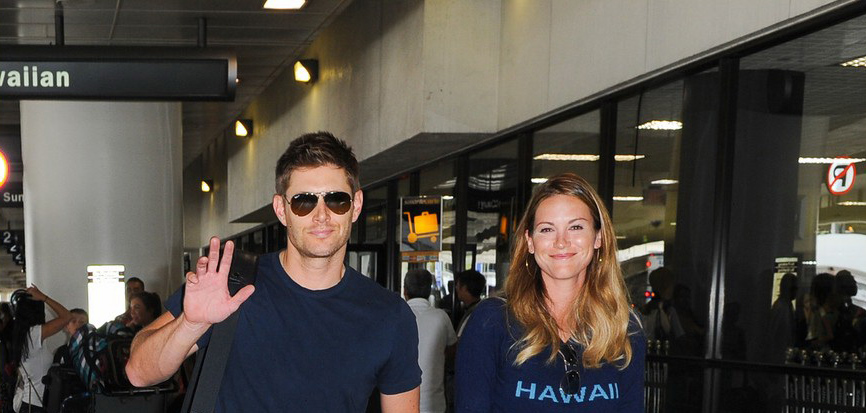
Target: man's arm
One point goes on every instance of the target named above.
(406, 402)
(158, 350)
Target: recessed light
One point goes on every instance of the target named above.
(661, 125)
(539, 180)
(583, 157)
(628, 198)
(858, 62)
(825, 160)
(665, 182)
(284, 4)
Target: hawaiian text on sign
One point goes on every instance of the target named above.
(30, 76)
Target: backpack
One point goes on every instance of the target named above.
(100, 355)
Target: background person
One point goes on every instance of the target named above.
(564, 338)
(436, 339)
(471, 285)
(133, 285)
(144, 308)
(29, 334)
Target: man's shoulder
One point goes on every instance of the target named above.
(369, 291)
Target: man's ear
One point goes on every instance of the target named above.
(279, 204)
(357, 204)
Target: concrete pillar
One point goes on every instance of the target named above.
(102, 185)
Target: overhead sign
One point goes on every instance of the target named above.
(840, 176)
(12, 195)
(421, 227)
(110, 73)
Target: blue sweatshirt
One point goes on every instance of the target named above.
(488, 381)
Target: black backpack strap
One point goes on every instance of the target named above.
(210, 363)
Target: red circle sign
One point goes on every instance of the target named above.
(840, 176)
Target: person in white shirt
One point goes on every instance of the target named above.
(436, 339)
(28, 351)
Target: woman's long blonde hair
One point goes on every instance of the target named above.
(600, 312)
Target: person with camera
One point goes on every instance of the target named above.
(28, 353)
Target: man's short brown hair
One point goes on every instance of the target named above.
(313, 150)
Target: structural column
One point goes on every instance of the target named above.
(102, 185)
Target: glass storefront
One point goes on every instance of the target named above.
(569, 146)
(491, 211)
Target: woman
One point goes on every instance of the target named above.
(564, 338)
(144, 307)
(29, 334)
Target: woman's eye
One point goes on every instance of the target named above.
(545, 230)
(577, 227)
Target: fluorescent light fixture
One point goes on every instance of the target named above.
(858, 62)
(244, 128)
(306, 70)
(105, 292)
(810, 262)
(661, 125)
(852, 203)
(583, 157)
(206, 185)
(665, 182)
(627, 158)
(821, 160)
(447, 197)
(628, 198)
(284, 4)
(539, 180)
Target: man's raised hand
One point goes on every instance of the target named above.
(207, 299)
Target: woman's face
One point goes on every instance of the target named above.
(138, 313)
(563, 240)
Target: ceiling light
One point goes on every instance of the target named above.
(306, 70)
(447, 197)
(665, 182)
(858, 62)
(244, 128)
(852, 203)
(539, 180)
(4, 169)
(627, 158)
(206, 185)
(584, 157)
(819, 160)
(661, 125)
(284, 4)
(628, 198)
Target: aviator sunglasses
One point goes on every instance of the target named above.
(570, 382)
(305, 202)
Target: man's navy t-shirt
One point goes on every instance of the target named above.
(299, 350)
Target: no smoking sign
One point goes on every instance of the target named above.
(840, 176)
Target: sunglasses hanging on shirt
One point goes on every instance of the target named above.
(570, 382)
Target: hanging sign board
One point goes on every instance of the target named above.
(111, 73)
(12, 195)
(420, 228)
(840, 176)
